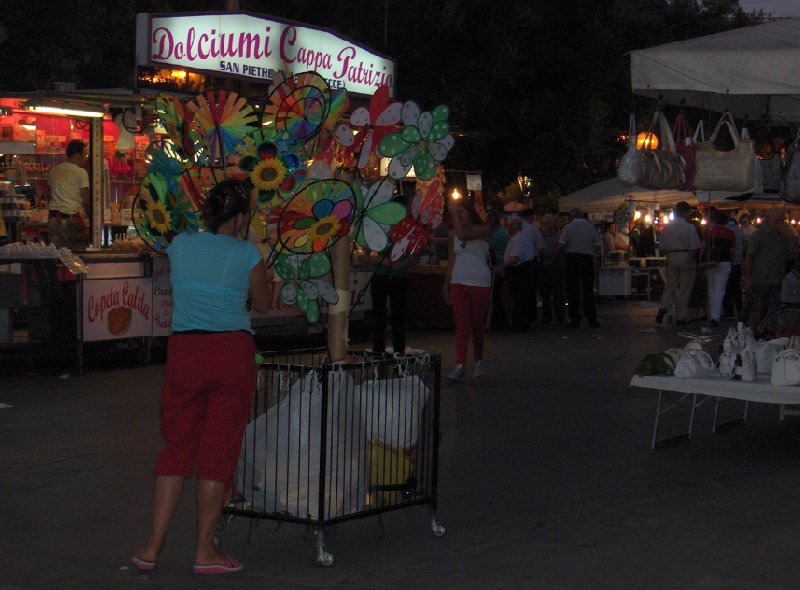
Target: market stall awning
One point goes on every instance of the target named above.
(751, 72)
(607, 195)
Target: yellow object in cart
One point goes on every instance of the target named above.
(387, 467)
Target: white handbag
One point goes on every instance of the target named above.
(694, 363)
(786, 368)
(766, 351)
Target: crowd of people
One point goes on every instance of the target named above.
(724, 269)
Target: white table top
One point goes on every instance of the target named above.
(761, 390)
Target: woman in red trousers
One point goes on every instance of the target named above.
(468, 283)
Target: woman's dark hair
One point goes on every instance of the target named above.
(473, 213)
(225, 201)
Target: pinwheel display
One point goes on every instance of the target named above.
(373, 124)
(303, 285)
(161, 211)
(217, 122)
(413, 232)
(300, 105)
(423, 141)
(314, 218)
(274, 163)
(377, 213)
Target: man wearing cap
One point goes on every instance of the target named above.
(680, 243)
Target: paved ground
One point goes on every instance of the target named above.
(547, 481)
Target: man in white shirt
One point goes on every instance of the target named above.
(518, 274)
(680, 242)
(69, 199)
(581, 243)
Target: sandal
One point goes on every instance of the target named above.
(143, 564)
(228, 566)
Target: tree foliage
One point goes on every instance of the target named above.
(541, 87)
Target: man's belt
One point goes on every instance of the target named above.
(56, 214)
(676, 251)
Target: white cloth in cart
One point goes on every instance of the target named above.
(280, 462)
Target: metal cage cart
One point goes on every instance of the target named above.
(332, 442)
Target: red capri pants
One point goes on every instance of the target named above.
(205, 403)
(469, 311)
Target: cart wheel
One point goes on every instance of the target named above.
(438, 528)
(325, 558)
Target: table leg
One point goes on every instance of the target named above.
(654, 442)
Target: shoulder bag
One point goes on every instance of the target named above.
(662, 168)
(791, 173)
(686, 146)
(725, 170)
(630, 165)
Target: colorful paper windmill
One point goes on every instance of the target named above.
(314, 219)
(302, 283)
(413, 232)
(160, 212)
(374, 124)
(376, 214)
(275, 165)
(218, 121)
(300, 105)
(423, 141)
(171, 114)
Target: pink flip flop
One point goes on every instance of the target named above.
(229, 566)
(142, 564)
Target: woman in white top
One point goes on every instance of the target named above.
(468, 283)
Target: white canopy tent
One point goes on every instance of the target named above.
(752, 72)
(608, 195)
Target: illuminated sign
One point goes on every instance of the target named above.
(256, 47)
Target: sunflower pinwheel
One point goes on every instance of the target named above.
(423, 141)
(160, 212)
(314, 219)
(218, 121)
(275, 165)
(376, 214)
(302, 283)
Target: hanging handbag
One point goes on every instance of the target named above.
(662, 168)
(686, 146)
(791, 173)
(725, 170)
(630, 165)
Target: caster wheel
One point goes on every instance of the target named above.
(438, 528)
(326, 559)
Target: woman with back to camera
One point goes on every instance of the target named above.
(468, 283)
(211, 371)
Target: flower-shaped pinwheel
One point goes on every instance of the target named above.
(377, 121)
(315, 218)
(413, 232)
(423, 141)
(377, 213)
(302, 283)
(160, 212)
(275, 164)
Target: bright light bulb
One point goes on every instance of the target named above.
(455, 194)
(648, 218)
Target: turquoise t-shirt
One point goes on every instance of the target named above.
(210, 276)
